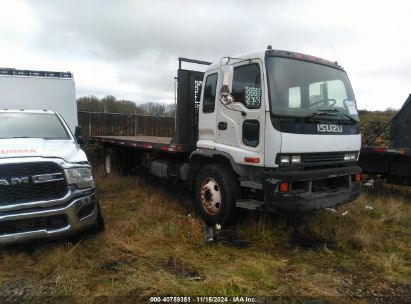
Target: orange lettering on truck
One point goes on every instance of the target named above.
(17, 151)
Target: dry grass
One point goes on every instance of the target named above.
(153, 245)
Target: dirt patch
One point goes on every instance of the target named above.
(230, 238)
(24, 291)
(376, 290)
(180, 269)
(299, 237)
(110, 265)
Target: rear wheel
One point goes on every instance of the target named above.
(216, 192)
(111, 162)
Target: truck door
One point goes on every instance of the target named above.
(206, 128)
(240, 125)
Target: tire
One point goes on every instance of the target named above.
(111, 162)
(216, 191)
(100, 226)
(96, 228)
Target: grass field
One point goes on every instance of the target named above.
(153, 245)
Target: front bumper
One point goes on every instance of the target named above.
(315, 189)
(48, 220)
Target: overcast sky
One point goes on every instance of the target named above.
(129, 49)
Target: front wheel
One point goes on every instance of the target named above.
(216, 192)
(100, 226)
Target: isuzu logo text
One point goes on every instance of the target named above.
(328, 128)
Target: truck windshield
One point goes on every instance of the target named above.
(31, 125)
(303, 89)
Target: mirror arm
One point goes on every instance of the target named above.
(226, 99)
(80, 140)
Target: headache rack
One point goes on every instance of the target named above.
(189, 83)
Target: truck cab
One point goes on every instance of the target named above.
(286, 124)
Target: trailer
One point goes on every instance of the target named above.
(250, 136)
(392, 163)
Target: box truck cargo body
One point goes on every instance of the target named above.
(22, 89)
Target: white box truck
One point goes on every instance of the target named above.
(46, 186)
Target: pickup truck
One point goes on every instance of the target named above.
(46, 186)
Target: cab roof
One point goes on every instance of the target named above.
(261, 54)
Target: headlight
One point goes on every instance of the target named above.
(81, 177)
(290, 159)
(285, 159)
(350, 156)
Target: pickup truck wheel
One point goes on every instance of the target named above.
(111, 162)
(216, 192)
(100, 220)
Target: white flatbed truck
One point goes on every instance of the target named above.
(268, 130)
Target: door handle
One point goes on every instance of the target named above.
(222, 125)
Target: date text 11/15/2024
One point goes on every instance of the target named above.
(203, 299)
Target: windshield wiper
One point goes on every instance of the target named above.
(326, 111)
(317, 114)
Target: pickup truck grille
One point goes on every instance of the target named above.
(23, 192)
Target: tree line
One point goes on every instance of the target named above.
(372, 122)
(110, 104)
(374, 126)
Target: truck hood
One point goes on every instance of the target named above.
(306, 143)
(67, 150)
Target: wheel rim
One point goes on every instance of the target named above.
(108, 164)
(210, 196)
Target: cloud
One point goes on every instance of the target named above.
(130, 48)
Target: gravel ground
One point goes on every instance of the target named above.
(22, 291)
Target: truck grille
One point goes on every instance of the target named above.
(315, 158)
(30, 192)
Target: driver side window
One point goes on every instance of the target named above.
(210, 93)
(247, 85)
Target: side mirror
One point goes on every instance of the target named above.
(226, 80)
(77, 135)
(77, 131)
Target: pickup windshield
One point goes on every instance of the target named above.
(31, 125)
(304, 89)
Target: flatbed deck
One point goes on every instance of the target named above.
(155, 143)
(392, 163)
